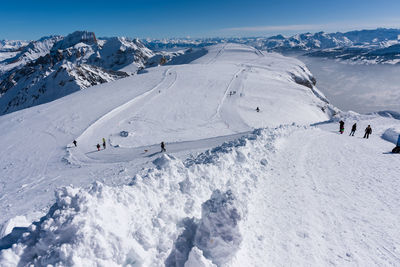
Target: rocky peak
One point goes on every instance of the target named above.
(75, 38)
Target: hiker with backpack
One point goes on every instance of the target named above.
(341, 127)
(353, 129)
(98, 147)
(74, 142)
(368, 131)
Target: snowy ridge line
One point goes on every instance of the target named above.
(158, 219)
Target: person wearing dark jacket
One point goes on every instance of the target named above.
(163, 147)
(98, 147)
(341, 128)
(104, 143)
(74, 142)
(353, 129)
(368, 131)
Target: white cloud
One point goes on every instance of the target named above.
(276, 28)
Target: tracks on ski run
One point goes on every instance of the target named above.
(322, 205)
(169, 78)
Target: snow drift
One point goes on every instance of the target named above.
(137, 225)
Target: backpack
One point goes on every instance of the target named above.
(396, 150)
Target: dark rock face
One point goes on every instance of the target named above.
(303, 81)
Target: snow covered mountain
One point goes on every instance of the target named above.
(236, 187)
(322, 40)
(28, 53)
(11, 45)
(9, 49)
(380, 46)
(53, 67)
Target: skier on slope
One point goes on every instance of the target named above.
(163, 147)
(104, 143)
(74, 142)
(98, 147)
(353, 129)
(258, 109)
(368, 131)
(341, 128)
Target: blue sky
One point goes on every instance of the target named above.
(29, 19)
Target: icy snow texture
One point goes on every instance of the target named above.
(196, 259)
(218, 234)
(123, 225)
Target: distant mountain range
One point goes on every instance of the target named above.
(36, 72)
(365, 46)
(51, 67)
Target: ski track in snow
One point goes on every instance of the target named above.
(109, 115)
(225, 95)
(217, 55)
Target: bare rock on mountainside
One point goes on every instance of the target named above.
(53, 67)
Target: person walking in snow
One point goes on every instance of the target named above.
(368, 131)
(98, 147)
(353, 129)
(258, 109)
(74, 142)
(104, 143)
(341, 128)
(163, 147)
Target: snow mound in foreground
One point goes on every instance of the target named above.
(165, 216)
(218, 233)
(196, 259)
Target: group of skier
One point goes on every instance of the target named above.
(104, 144)
(368, 130)
(163, 149)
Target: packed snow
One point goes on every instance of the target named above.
(236, 187)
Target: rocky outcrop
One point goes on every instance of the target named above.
(55, 66)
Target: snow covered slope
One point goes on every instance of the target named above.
(241, 203)
(171, 103)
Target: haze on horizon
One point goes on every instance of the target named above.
(30, 20)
